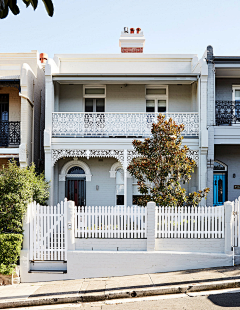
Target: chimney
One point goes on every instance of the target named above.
(133, 41)
(43, 58)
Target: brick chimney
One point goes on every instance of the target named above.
(132, 41)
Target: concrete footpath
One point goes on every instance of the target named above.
(98, 289)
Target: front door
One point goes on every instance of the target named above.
(219, 189)
(4, 125)
(76, 191)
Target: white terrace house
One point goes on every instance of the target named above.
(96, 104)
(21, 107)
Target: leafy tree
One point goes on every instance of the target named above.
(5, 5)
(163, 165)
(19, 186)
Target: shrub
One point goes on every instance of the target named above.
(18, 187)
(10, 247)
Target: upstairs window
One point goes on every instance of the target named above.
(92, 91)
(156, 99)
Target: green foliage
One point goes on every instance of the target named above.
(163, 165)
(10, 247)
(5, 5)
(18, 187)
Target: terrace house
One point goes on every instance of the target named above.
(96, 104)
(223, 121)
(22, 100)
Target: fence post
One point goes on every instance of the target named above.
(228, 207)
(70, 225)
(151, 206)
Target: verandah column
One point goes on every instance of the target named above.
(125, 165)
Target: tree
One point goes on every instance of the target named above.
(163, 164)
(5, 5)
(19, 186)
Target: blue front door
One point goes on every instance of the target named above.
(219, 189)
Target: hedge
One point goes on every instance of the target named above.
(10, 247)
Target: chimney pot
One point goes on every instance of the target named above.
(43, 58)
(138, 30)
(132, 30)
(125, 29)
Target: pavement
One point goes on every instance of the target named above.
(99, 289)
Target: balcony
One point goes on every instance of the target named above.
(112, 124)
(9, 134)
(227, 112)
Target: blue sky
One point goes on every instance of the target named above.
(90, 26)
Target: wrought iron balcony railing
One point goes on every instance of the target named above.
(112, 124)
(227, 112)
(9, 133)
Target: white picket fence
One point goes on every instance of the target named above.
(110, 222)
(190, 222)
(48, 231)
(236, 223)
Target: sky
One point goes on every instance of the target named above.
(94, 26)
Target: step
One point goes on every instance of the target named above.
(48, 271)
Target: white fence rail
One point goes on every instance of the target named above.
(111, 222)
(48, 232)
(189, 222)
(137, 124)
(236, 223)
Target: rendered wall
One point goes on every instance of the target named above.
(230, 155)
(130, 98)
(111, 244)
(191, 245)
(224, 88)
(14, 103)
(105, 196)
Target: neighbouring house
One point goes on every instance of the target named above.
(22, 104)
(223, 121)
(96, 104)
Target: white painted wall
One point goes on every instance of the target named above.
(190, 245)
(129, 98)
(125, 63)
(111, 244)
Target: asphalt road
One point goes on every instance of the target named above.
(224, 299)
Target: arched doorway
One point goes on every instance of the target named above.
(76, 185)
(219, 183)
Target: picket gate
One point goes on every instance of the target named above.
(48, 232)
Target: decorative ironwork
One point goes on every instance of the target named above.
(227, 112)
(9, 133)
(57, 154)
(118, 154)
(194, 155)
(112, 124)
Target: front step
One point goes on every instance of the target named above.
(48, 266)
(48, 271)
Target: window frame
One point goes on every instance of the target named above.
(94, 96)
(156, 97)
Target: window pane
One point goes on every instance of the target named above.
(237, 94)
(156, 91)
(161, 105)
(76, 170)
(93, 91)
(150, 106)
(88, 105)
(100, 106)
